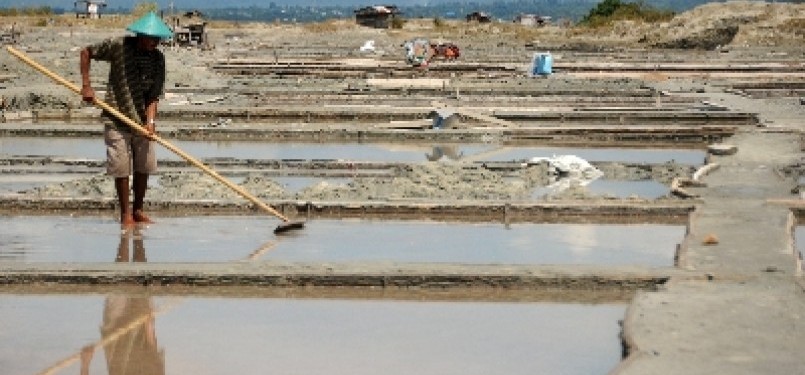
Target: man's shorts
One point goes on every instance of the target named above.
(123, 148)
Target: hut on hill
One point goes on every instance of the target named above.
(189, 29)
(89, 8)
(10, 34)
(532, 19)
(377, 16)
(480, 17)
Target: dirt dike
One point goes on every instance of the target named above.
(426, 182)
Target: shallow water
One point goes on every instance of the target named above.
(646, 189)
(304, 336)
(608, 154)
(94, 148)
(226, 239)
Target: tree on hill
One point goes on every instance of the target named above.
(144, 7)
(612, 10)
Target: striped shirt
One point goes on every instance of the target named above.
(136, 77)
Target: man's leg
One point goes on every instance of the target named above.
(122, 188)
(145, 163)
(118, 165)
(140, 187)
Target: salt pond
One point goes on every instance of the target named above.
(194, 335)
(236, 238)
(94, 148)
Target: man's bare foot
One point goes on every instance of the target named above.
(141, 218)
(127, 221)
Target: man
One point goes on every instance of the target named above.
(136, 81)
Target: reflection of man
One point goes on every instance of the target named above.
(123, 249)
(129, 337)
(128, 333)
(450, 151)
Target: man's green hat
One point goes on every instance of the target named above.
(151, 25)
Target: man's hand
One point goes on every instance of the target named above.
(88, 93)
(150, 130)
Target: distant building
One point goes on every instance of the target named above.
(189, 29)
(89, 8)
(10, 35)
(532, 20)
(377, 16)
(480, 17)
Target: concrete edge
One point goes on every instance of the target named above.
(791, 227)
(383, 275)
(616, 211)
(631, 351)
(681, 255)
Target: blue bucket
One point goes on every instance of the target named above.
(541, 64)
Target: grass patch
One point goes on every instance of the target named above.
(329, 26)
(609, 11)
(795, 26)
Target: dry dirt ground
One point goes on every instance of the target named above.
(760, 27)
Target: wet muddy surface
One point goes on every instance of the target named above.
(413, 184)
(234, 239)
(295, 335)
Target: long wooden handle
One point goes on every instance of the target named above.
(103, 105)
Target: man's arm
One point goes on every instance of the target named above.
(151, 116)
(87, 92)
(157, 90)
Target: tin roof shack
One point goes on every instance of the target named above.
(89, 8)
(189, 29)
(377, 16)
(480, 17)
(10, 34)
(532, 20)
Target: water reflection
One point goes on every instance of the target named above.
(149, 334)
(128, 334)
(133, 236)
(444, 151)
(128, 338)
(378, 152)
(230, 239)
